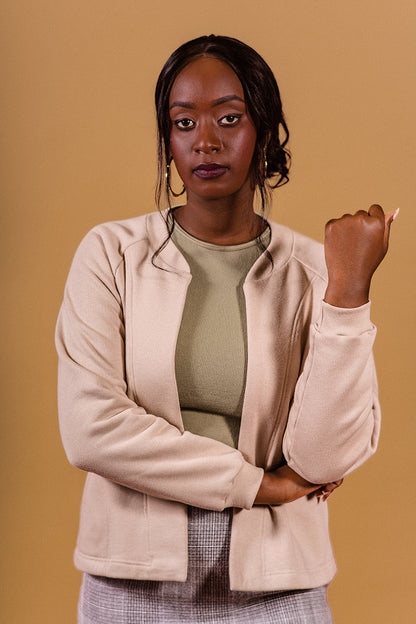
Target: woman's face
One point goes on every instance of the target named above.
(212, 138)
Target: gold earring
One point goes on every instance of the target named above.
(265, 163)
(167, 174)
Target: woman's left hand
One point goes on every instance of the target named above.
(326, 490)
(354, 247)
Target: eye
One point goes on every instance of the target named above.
(230, 120)
(184, 124)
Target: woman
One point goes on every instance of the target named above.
(216, 380)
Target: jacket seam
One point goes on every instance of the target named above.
(310, 268)
(294, 333)
(112, 560)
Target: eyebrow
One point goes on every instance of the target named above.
(217, 102)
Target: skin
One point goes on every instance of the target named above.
(203, 130)
(210, 124)
(354, 247)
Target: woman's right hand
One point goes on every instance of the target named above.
(284, 485)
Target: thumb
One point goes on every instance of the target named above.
(388, 220)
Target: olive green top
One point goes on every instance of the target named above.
(211, 352)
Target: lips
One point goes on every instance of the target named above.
(210, 170)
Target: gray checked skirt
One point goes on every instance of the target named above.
(205, 598)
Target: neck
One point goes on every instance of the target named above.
(225, 221)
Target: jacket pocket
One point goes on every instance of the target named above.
(297, 541)
(113, 523)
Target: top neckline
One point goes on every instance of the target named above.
(264, 238)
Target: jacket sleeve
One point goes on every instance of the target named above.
(334, 421)
(103, 430)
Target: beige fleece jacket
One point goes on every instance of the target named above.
(311, 396)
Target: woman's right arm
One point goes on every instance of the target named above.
(103, 429)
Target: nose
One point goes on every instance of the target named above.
(207, 138)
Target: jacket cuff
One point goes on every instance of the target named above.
(345, 321)
(245, 487)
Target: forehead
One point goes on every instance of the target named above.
(206, 78)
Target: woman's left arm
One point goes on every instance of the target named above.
(334, 422)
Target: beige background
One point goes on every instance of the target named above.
(78, 148)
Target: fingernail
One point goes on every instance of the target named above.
(396, 212)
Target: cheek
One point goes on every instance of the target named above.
(245, 149)
(251, 141)
(178, 149)
(172, 146)
(247, 139)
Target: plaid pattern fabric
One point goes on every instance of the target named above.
(205, 597)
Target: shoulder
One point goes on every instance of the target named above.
(293, 248)
(113, 238)
(126, 232)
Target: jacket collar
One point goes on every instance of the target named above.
(171, 259)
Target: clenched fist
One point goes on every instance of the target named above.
(354, 247)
